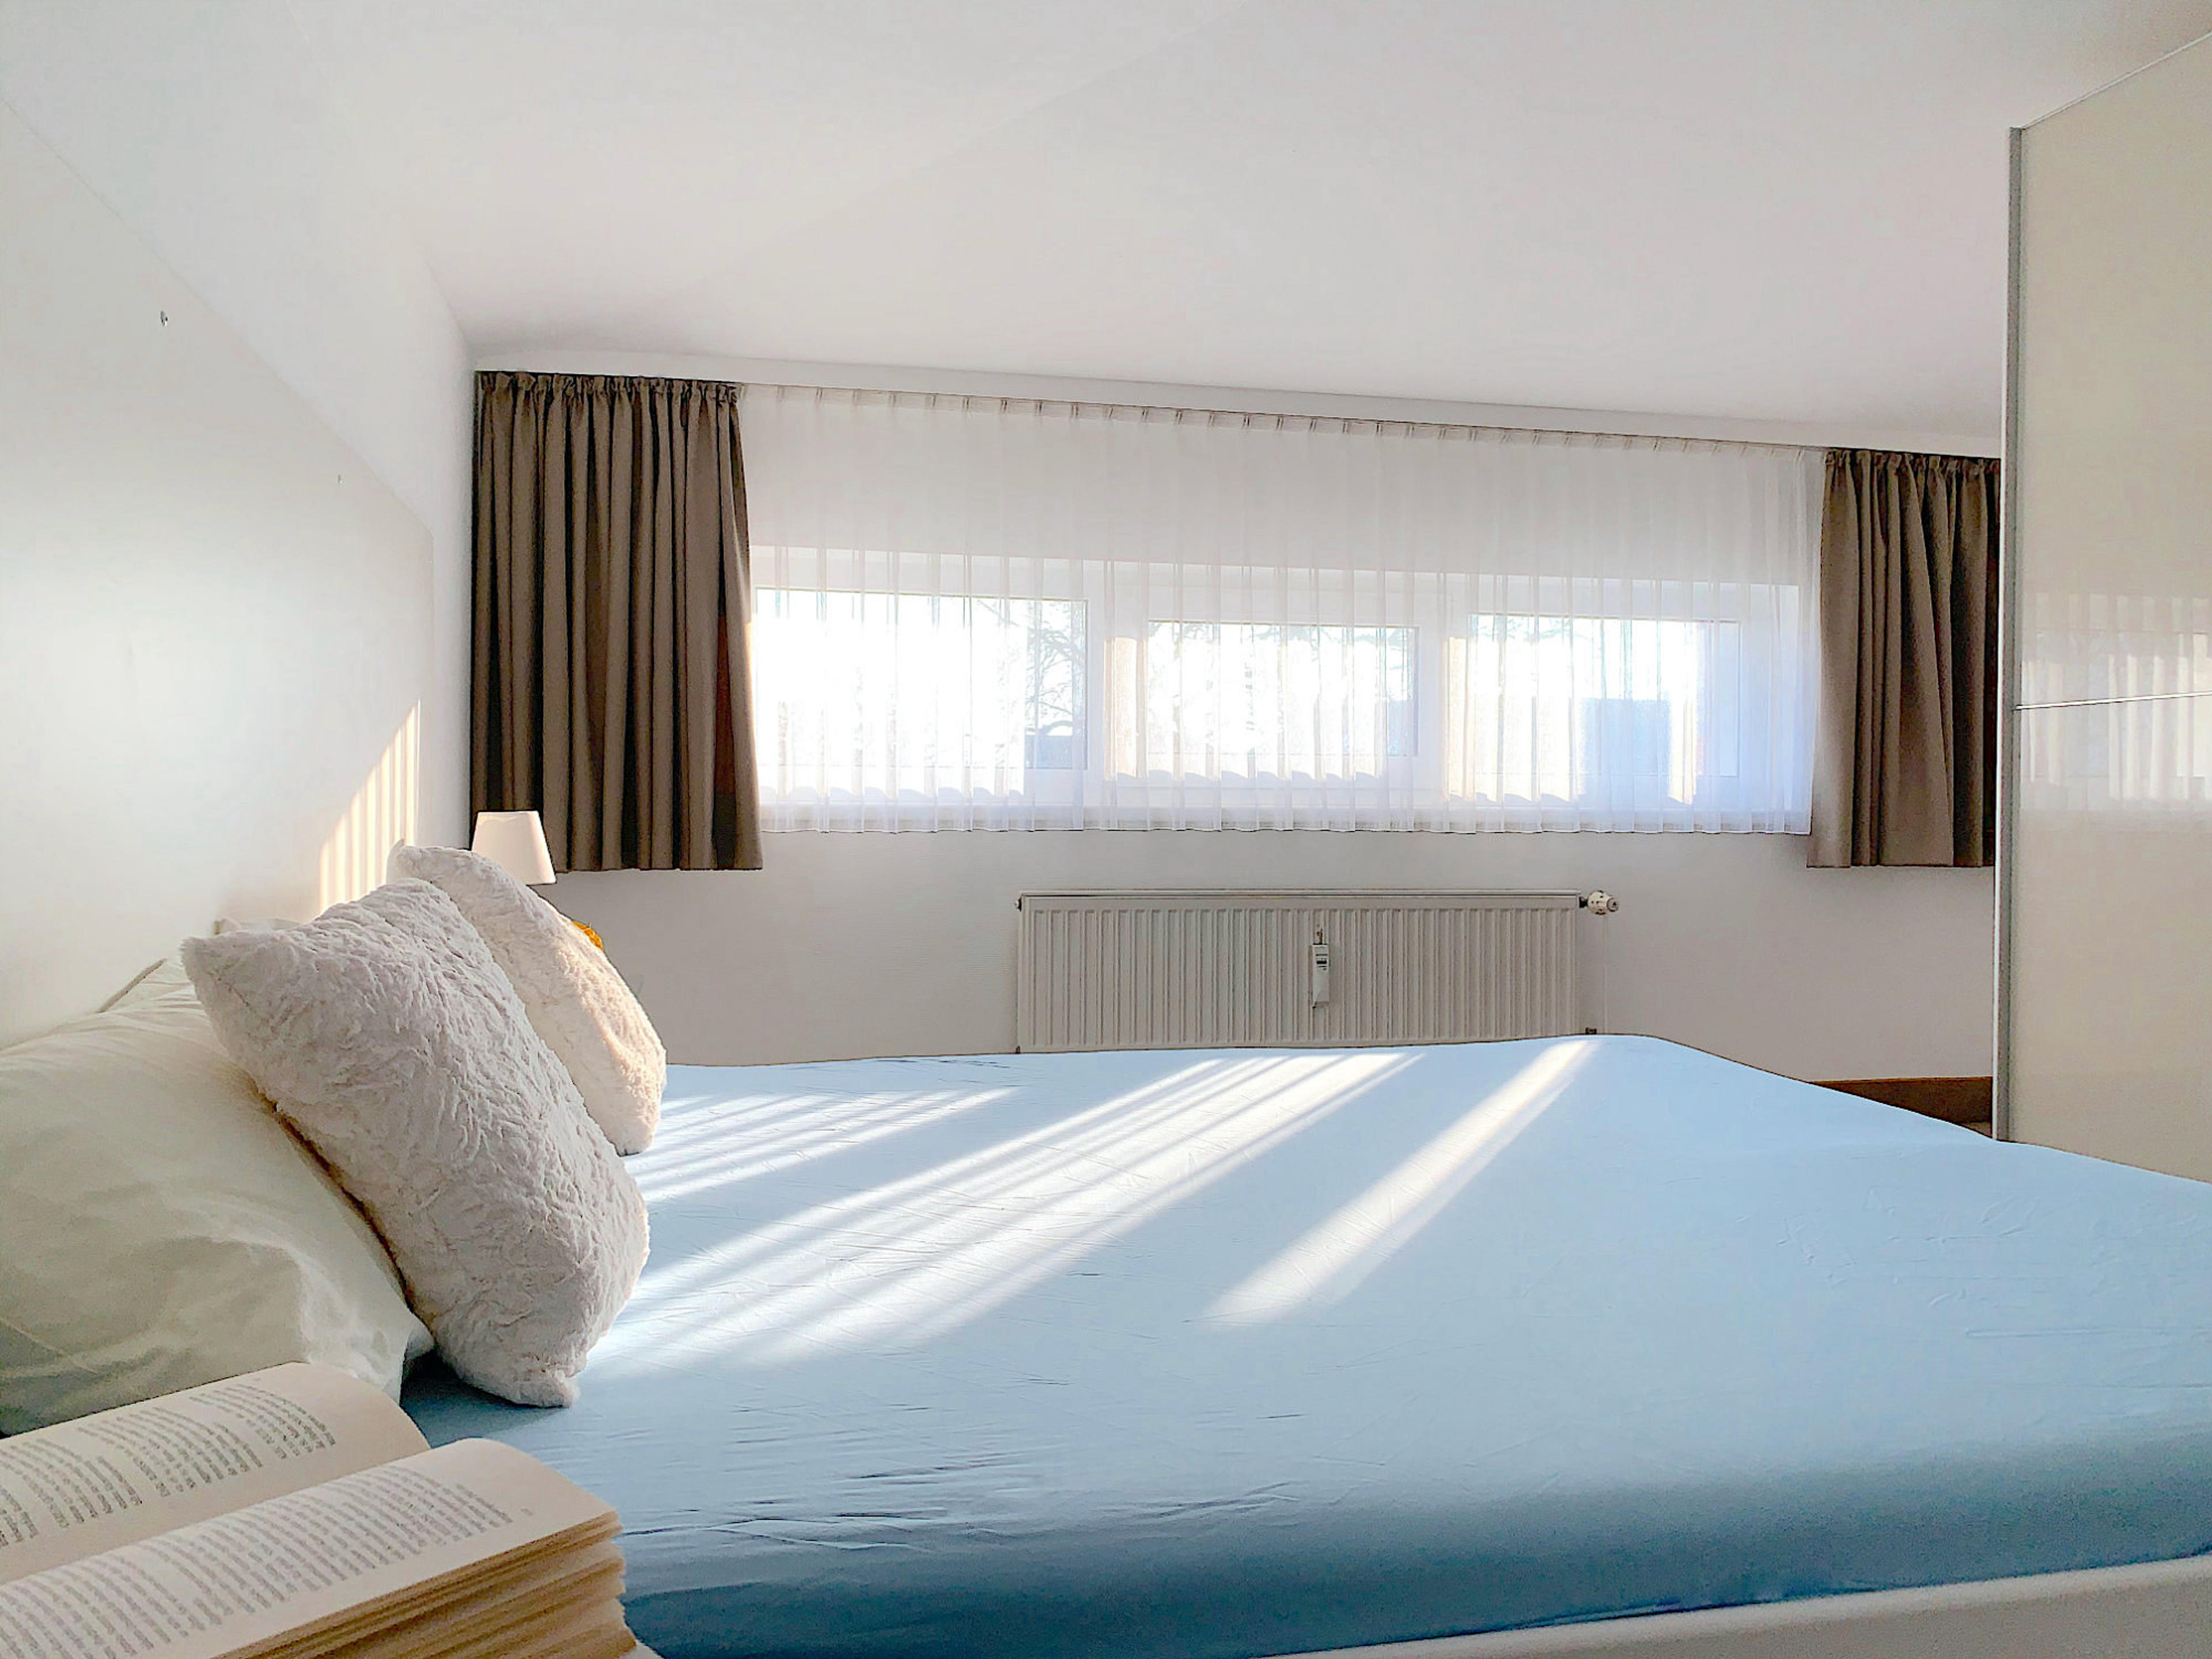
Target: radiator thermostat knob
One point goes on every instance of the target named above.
(1600, 904)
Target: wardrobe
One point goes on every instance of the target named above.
(2104, 864)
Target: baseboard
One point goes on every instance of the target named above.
(1953, 1099)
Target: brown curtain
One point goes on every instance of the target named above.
(1906, 767)
(611, 691)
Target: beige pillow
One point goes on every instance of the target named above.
(164, 976)
(159, 1228)
(575, 997)
(388, 1036)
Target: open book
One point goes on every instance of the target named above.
(295, 1512)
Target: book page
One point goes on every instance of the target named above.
(577, 1593)
(78, 1488)
(566, 1578)
(396, 1541)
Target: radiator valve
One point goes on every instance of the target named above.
(1318, 961)
(1600, 904)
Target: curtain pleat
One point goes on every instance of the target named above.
(1907, 767)
(611, 681)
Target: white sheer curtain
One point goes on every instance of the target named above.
(981, 613)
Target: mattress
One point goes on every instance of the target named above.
(1230, 1354)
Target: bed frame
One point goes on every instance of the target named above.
(2158, 1610)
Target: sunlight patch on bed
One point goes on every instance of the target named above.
(1331, 1260)
(727, 1142)
(910, 1258)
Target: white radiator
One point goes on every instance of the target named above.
(1349, 969)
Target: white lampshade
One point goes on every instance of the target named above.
(516, 843)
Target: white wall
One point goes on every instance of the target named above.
(886, 944)
(205, 128)
(215, 622)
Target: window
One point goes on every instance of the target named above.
(897, 695)
(982, 613)
(1253, 701)
(1576, 711)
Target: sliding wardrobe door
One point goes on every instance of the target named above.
(2105, 1040)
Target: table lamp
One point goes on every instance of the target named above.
(516, 843)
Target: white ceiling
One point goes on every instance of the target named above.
(1767, 210)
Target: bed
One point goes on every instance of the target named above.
(1234, 1353)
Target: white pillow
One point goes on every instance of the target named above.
(575, 999)
(387, 1035)
(166, 975)
(161, 1228)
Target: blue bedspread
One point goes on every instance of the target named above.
(1238, 1353)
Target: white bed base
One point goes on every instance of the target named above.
(2159, 1610)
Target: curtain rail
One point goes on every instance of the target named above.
(1252, 417)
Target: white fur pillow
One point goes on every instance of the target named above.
(575, 997)
(387, 1035)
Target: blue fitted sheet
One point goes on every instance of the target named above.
(1239, 1353)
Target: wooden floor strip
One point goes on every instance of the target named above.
(1954, 1099)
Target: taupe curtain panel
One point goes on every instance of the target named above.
(1906, 767)
(611, 689)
